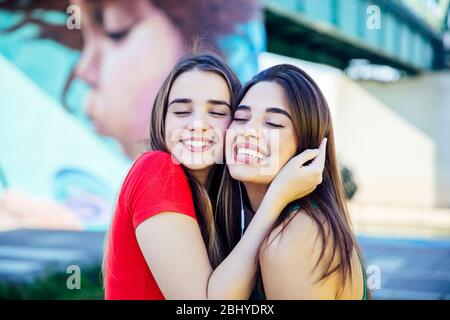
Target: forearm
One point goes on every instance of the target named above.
(235, 277)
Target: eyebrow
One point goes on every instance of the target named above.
(280, 111)
(243, 107)
(211, 101)
(271, 110)
(180, 100)
(219, 102)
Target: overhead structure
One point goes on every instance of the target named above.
(336, 31)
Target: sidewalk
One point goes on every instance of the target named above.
(409, 268)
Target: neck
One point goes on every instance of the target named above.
(256, 193)
(201, 176)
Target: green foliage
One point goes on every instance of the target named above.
(52, 286)
(349, 182)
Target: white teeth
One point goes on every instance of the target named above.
(197, 144)
(251, 153)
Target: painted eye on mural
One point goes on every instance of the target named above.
(118, 35)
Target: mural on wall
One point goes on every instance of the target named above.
(75, 101)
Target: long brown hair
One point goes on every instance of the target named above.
(203, 197)
(312, 123)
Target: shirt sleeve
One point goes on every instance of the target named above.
(156, 183)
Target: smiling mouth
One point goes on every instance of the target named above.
(197, 144)
(249, 153)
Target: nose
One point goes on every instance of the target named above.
(199, 123)
(252, 129)
(89, 65)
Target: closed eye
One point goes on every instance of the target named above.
(274, 125)
(180, 113)
(239, 119)
(217, 113)
(119, 35)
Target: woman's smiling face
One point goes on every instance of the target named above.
(261, 137)
(198, 115)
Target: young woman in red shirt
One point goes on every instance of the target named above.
(163, 242)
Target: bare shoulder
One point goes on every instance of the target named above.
(299, 232)
(295, 253)
(289, 258)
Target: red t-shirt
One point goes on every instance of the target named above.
(154, 184)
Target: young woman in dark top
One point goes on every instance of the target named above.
(311, 251)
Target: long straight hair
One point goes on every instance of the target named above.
(203, 197)
(312, 123)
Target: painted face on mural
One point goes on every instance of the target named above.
(129, 47)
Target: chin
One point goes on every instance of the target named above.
(248, 174)
(197, 166)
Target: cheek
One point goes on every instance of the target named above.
(152, 47)
(109, 113)
(282, 147)
(118, 73)
(230, 136)
(171, 130)
(136, 61)
(288, 146)
(220, 127)
(130, 81)
(231, 132)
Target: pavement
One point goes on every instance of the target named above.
(409, 268)
(28, 254)
(397, 268)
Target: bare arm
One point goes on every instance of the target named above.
(173, 247)
(175, 252)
